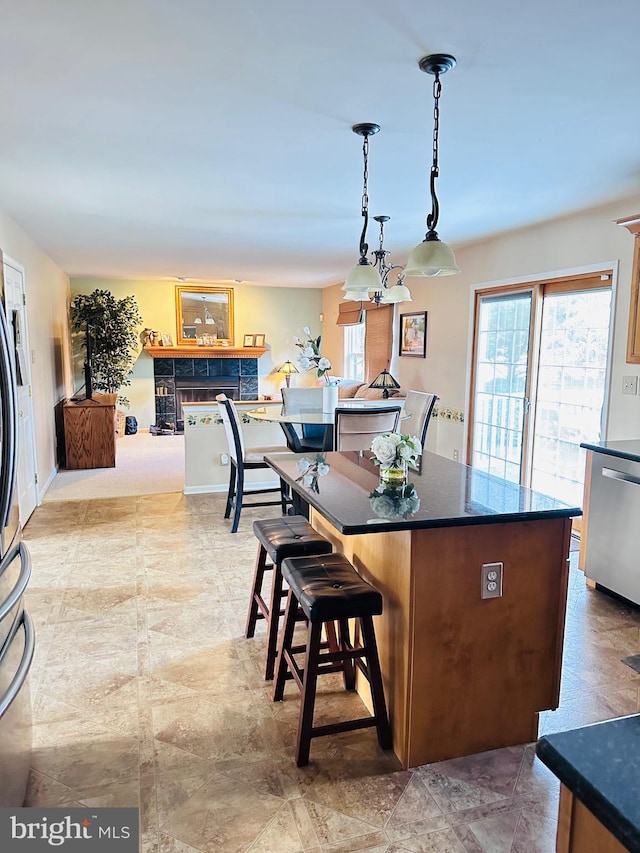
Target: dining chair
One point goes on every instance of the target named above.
(354, 429)
(418, 404)
(241, 460)
(306, 437)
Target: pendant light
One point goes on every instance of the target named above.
(432, 256)
(363, 277)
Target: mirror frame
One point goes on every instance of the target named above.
(204, 291)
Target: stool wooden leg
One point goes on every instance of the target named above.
(256, 589)
(286, 641)
(305, 723)
(348, 672)
(375, 679)
(273, 623)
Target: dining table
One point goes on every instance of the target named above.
(294, 415)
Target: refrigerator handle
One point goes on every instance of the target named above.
(8, 411)
(21, 584)
(25, 664)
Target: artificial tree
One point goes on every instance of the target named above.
(110, 330)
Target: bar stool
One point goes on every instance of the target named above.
(291, 536)
(327, 588)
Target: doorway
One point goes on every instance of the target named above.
(538, 381)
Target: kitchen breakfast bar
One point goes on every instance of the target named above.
(463, 673)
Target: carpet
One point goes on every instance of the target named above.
(145, 465)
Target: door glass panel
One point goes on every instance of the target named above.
(502, 356)
(573, 356)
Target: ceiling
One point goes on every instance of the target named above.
(212, 140)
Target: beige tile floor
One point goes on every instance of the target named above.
(147, 694)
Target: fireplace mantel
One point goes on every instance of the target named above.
(205, 352)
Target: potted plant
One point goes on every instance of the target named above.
(110, 330)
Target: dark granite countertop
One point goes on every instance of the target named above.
(600, 765)
(441, 493)
(628, 449)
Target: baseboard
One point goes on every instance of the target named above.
(224, 487)
(43, 491)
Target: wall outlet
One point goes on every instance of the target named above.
(456, 455)
(491, 577)
(224, 458)
(629, 384)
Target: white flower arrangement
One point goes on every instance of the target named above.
(310, 357)
(392, 449)
(394, 501)
(311, 471)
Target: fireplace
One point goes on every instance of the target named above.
(198, 380)
(203, 390)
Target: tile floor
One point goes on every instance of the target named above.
(147, 694)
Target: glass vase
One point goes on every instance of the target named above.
(394, 474)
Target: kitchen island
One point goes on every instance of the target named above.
(463, 673)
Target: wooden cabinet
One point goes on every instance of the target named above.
(632, 223)
(90, 432)
(580, 831)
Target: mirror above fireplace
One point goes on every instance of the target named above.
(204, 316)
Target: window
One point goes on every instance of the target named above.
(354, 351)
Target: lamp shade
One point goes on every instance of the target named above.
(431, 257)
(363, 277)
(385, 381)
(397, 293)
(288, 367)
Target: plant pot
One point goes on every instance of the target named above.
(329, 398)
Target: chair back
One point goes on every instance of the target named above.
(302, 399)
(232, 428)
(419, 404)
(354, 429)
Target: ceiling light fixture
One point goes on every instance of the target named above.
(367, 281)
(432, 256)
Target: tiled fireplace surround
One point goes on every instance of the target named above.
(219, 373)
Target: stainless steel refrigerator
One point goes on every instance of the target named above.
(17, 639)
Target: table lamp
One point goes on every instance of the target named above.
(288, 368)
(385, 381)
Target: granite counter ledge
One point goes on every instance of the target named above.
(599, 766)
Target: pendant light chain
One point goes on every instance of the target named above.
(364, 247)
(432, 218)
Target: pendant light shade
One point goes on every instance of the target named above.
(363, 277)
(432, 256)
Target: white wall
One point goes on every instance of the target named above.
(588, 238)
(47, 288)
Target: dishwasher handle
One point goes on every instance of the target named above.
(612, 474)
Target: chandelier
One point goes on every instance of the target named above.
(367, 281)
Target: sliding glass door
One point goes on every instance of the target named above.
(538, 383)
(501, 370)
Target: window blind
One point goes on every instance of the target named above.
(378, 338)
(349, 313)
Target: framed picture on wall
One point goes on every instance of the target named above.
(248, 341)
(258, 340)
(413, 334)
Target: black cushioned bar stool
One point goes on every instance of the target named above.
(328, 589)
(278, 538)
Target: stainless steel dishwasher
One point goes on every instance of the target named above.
(613, 547)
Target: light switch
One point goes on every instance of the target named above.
(629, 384)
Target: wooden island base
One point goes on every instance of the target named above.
(464, 674)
